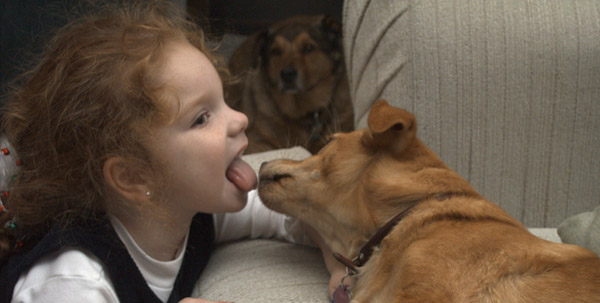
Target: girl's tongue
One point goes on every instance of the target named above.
(242, 175)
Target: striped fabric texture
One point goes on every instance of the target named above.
(507, 93)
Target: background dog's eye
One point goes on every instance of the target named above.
(275, 51)
(307, 48)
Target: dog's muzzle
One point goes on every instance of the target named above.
(289, 79)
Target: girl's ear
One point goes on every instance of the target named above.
(124, 181)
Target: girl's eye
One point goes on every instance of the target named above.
(201, 120)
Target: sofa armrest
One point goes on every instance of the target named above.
(293, 153)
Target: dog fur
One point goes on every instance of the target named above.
(461, 249)
(292, 84)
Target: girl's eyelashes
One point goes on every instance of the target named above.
(201, 120)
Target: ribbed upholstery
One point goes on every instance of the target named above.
(506, 92)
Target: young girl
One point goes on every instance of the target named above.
(126, 147)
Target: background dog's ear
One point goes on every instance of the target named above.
(259, 51)
(331, 28)
(249, 54)
(392, 128)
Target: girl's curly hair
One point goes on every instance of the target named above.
(87, 99)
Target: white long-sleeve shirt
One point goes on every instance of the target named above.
(75, 275)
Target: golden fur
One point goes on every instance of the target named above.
(293, 84)
(461, 249)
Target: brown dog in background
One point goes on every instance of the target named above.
(445, 243)
(292, 84)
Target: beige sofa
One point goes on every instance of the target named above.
(506, 92)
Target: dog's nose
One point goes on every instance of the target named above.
(288, 74)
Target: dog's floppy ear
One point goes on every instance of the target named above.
(392, 128)
(331, 28)
(249, 54)
(259, 49)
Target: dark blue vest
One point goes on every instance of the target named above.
(103, 242)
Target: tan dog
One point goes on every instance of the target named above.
(293, 84)
(449, 244)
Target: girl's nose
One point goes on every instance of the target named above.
(238, 122)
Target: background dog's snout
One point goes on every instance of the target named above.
(288, 74)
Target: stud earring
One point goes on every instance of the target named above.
(148, 193)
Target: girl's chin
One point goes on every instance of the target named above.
(242, 203)
(235, 200)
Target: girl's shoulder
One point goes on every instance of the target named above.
(68, 275)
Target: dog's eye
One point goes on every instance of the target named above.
(308, 48)
(275, 52)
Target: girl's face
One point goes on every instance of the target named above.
(202, 145)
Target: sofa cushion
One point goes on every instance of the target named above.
(263, 271)
(583, 230)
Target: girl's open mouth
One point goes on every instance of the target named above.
(241, 175)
